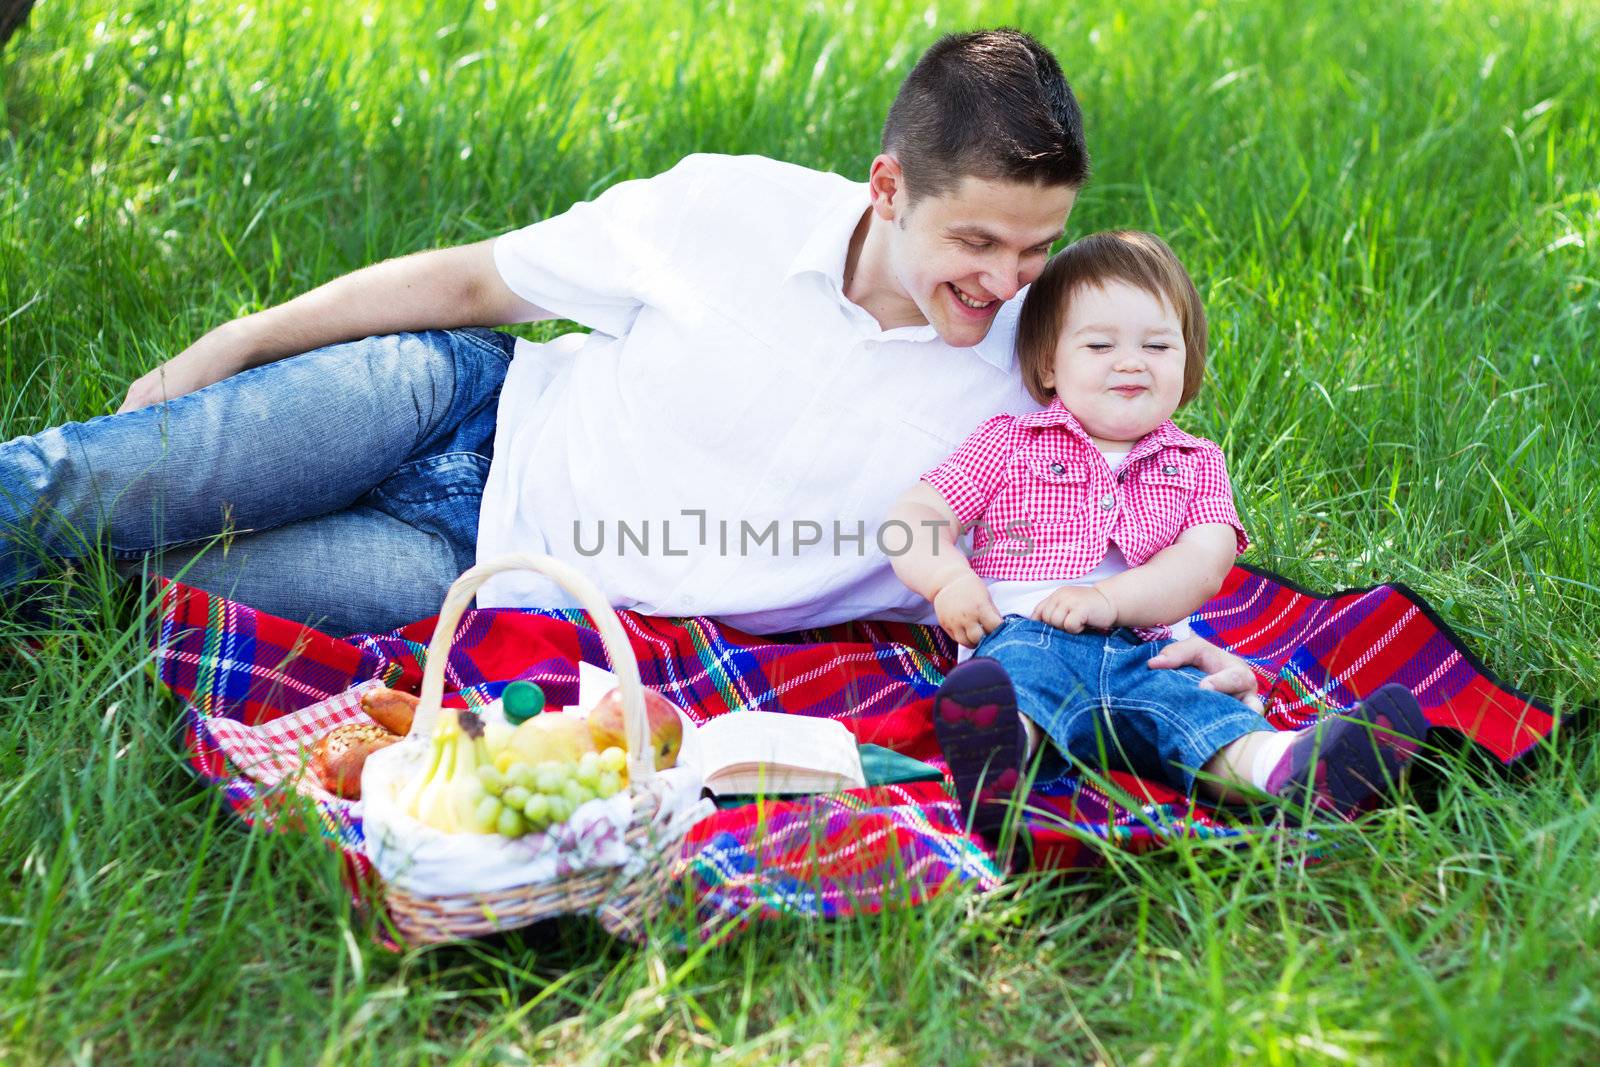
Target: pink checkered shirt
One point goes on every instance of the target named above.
(1042, 503)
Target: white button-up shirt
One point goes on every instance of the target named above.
(729, 438)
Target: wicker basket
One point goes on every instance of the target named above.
(621, 903)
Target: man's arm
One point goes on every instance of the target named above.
(437, 290)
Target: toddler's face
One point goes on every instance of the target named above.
(1119, 362)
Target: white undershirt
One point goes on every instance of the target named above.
(1020, 597)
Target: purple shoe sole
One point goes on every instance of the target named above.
(983, 740)
(1357, 757)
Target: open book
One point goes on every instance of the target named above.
(763, 752)
(744, 752)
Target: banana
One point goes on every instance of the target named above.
(448, 796)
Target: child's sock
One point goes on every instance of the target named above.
(1268, 752)
(1342, 763)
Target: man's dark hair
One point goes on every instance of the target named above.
(992, 104)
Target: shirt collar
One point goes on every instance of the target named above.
(828, 246)
(1167, 435)
(998, 347)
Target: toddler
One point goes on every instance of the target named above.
(1096, 524)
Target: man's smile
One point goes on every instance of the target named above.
(976, 308)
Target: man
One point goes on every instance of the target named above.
(774, 352)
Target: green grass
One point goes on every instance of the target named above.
(1393, 217)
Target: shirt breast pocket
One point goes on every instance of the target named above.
(1162, 492)
(1053, 490)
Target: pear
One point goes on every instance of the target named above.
(496, 734)
(557, 738)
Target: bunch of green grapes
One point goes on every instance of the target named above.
(526, 798)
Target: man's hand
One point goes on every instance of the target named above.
(1225, 672)
(965, 610)
(217, 355)
(1075, 608)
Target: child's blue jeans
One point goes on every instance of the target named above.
(1101, 703)
(348, 480)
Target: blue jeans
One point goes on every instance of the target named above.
(346, 481)
(1101, 704)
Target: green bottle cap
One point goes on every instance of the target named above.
(522, 701)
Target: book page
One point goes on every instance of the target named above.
(742, 740)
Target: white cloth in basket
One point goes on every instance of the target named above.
(428, 862)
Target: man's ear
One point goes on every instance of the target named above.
(887, 186)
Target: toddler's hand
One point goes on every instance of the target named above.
(1075, 608)
(966, 611)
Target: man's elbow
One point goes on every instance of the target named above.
(483, 296)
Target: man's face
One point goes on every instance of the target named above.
(959, 256)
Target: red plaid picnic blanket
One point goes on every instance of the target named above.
(259, 688)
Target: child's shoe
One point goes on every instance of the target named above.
(983, 740)
(1342, 763)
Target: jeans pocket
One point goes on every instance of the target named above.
(440, 494)
(498, 342)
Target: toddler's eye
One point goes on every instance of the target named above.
(1100, 346)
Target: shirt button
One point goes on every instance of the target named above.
(1169, 469)
(1108, 502)
(1057, 468)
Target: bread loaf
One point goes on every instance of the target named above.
(339, 755)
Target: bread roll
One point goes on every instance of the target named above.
(339, 755)
(390, 708)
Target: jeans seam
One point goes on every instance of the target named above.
(444, 494)
(444, 455)
(214, 539)
(1011, 642)
(140, 553)
(1133, 646)
(1115, 745)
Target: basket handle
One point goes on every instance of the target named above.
(636, 727)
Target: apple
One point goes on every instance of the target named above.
(666, 729)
